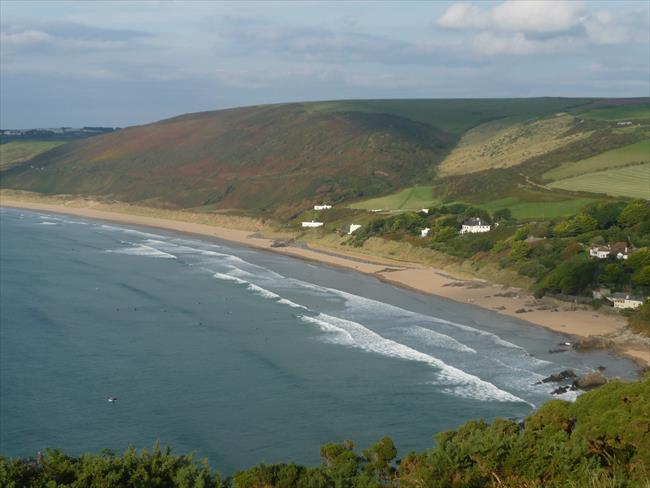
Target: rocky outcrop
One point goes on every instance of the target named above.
(593, 342)
(567, 374)
(590, 380)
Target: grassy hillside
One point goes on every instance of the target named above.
(14, 153)
(501, 144)
(636, 153)
(278, 160)
(414, 198)
(272, 159)
(631, 181)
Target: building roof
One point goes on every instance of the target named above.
(625, 296)
(474, 221)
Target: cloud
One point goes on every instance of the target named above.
(65, 36)
(519, 15)
(519, 27)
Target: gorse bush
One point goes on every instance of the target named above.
(601, 440)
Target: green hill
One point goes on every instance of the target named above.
(279, 159)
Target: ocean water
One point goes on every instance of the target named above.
(240, 355)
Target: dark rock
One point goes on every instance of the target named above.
(560, 390)
(521, 310)
(567, 374)
(593, 342)
(590, 380)
(554, 351)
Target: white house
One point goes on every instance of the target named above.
(600, 252)
(353, 227)
(322, 207)
(623, 301)
(474, 226)
(425, 210)
(425, 232)
(312, 224)
(620, 250)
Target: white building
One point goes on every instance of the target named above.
(322, 207)
(600, 252)
(623, 301)
(425, 210)
(353, 227)
(312, 224)
(474, 226)
(425, 232)
(620, 250)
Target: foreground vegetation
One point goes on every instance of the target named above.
(601, 440)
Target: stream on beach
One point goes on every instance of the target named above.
(241, 355)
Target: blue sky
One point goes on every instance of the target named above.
(125, 63)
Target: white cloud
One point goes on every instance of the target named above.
(516, 15)
(538, 15)
(541, 26)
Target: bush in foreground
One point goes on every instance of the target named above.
(601, 440)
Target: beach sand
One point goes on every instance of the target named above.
(563, 318)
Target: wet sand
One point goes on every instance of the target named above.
(509, 301)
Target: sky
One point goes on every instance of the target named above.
(68, 63)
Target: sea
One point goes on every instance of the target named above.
(240, 355)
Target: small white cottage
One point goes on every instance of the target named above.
(425, 232)
(312, 224)
(474, 226)
(623, 301)
(322, 207)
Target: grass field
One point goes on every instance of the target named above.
(622, 112)
(413, 198)
(522, 209)
(623, 156)
(630, 181)
(507, 142)
(13, 153)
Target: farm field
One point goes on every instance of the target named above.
(13, 153)
(522, 209)
(624, 156)
(630, 181)
(413, 198)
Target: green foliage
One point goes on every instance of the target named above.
(519, 250)
(642, 277)
(600, 440)
(605, 213)
(578, 225)
(639, 321)
(570, 278)
(502, 214)
(634, 213)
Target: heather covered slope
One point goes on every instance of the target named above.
(274, 159)
(258, 158)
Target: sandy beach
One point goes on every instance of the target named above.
(573, 321)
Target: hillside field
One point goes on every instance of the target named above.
(502, 144)
(528, 208)
(16, 152)
(638, 152)
(630, 181)
(414, 198)
(619, 113)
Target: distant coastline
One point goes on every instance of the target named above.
(418, 277)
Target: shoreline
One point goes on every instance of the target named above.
(420, 278)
